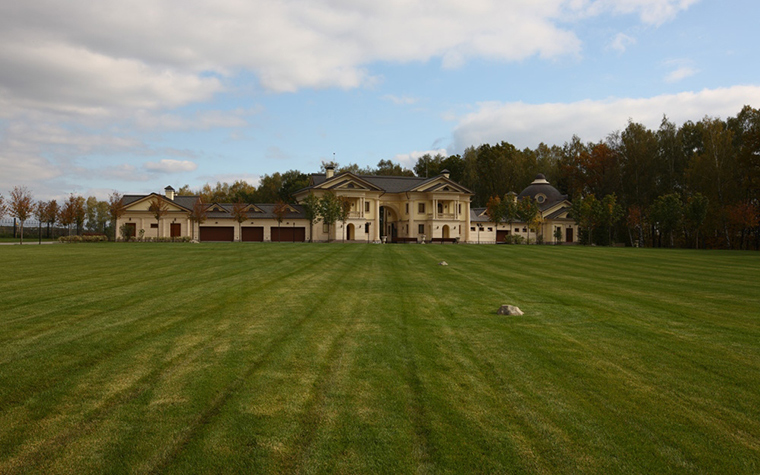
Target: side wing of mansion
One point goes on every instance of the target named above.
(382, 209)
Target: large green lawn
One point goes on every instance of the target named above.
(280, 358)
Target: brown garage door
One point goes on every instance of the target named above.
(501, 235)
(288, 234)
(221, 233)
(253, 233)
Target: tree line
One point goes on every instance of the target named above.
(697, 185)
(76, 214)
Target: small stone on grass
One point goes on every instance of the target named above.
(509, 310)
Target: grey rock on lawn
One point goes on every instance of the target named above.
(509, 310)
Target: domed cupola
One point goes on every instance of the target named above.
(543, 192)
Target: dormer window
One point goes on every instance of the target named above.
(540, 198)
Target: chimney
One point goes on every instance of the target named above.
(169, 192)
(445, 173)
(329, 171)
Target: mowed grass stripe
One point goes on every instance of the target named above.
(288, 358)
(116, 353)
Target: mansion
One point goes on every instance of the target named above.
(382, 209)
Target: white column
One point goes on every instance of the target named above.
(467, 221)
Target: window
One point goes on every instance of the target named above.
(366, 206)
(460, 208)
(472, 228)
(540, 198)
(421, 208)
(440, 208)
(525, 230)
(324, 228)
(407, 208)
(421, 229)
(490, 230)
(154, 225)
(366, 228)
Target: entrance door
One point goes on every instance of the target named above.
(501, 235)
(350, 232)
(175, 230)
(569, 235)
(132, 229)
(445, 230)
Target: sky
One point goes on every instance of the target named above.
(106, 96)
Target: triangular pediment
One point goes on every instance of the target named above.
(143, 204)
(251, 208)
(441, 184)
(348, 182)
(557, 206)
(216, 208)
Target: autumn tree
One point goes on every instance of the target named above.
(240, 214)
(51, 214)
(115, 209)
(67, 212)
(742, 218)
(40, 212)
(198, 213)
(2, 206)
(311, 208)
(329, 210)
(344, 211)
(280, 210)
(21, 206)
(495, 210)
(528, 212)
(159, 208)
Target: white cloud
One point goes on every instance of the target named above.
(681, 73)
(622, 42)
(683, 68)
(88, 56)
(408, 160)
(526, 125)
(171, 166)
(652, 12)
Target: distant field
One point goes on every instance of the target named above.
(298, 358)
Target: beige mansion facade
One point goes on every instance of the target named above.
(382, 209)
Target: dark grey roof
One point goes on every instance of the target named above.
(555, 215)
(541, 186)
(475, 216)
(189, 201)
(389, 184)
(267, 208)
(184, 201)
